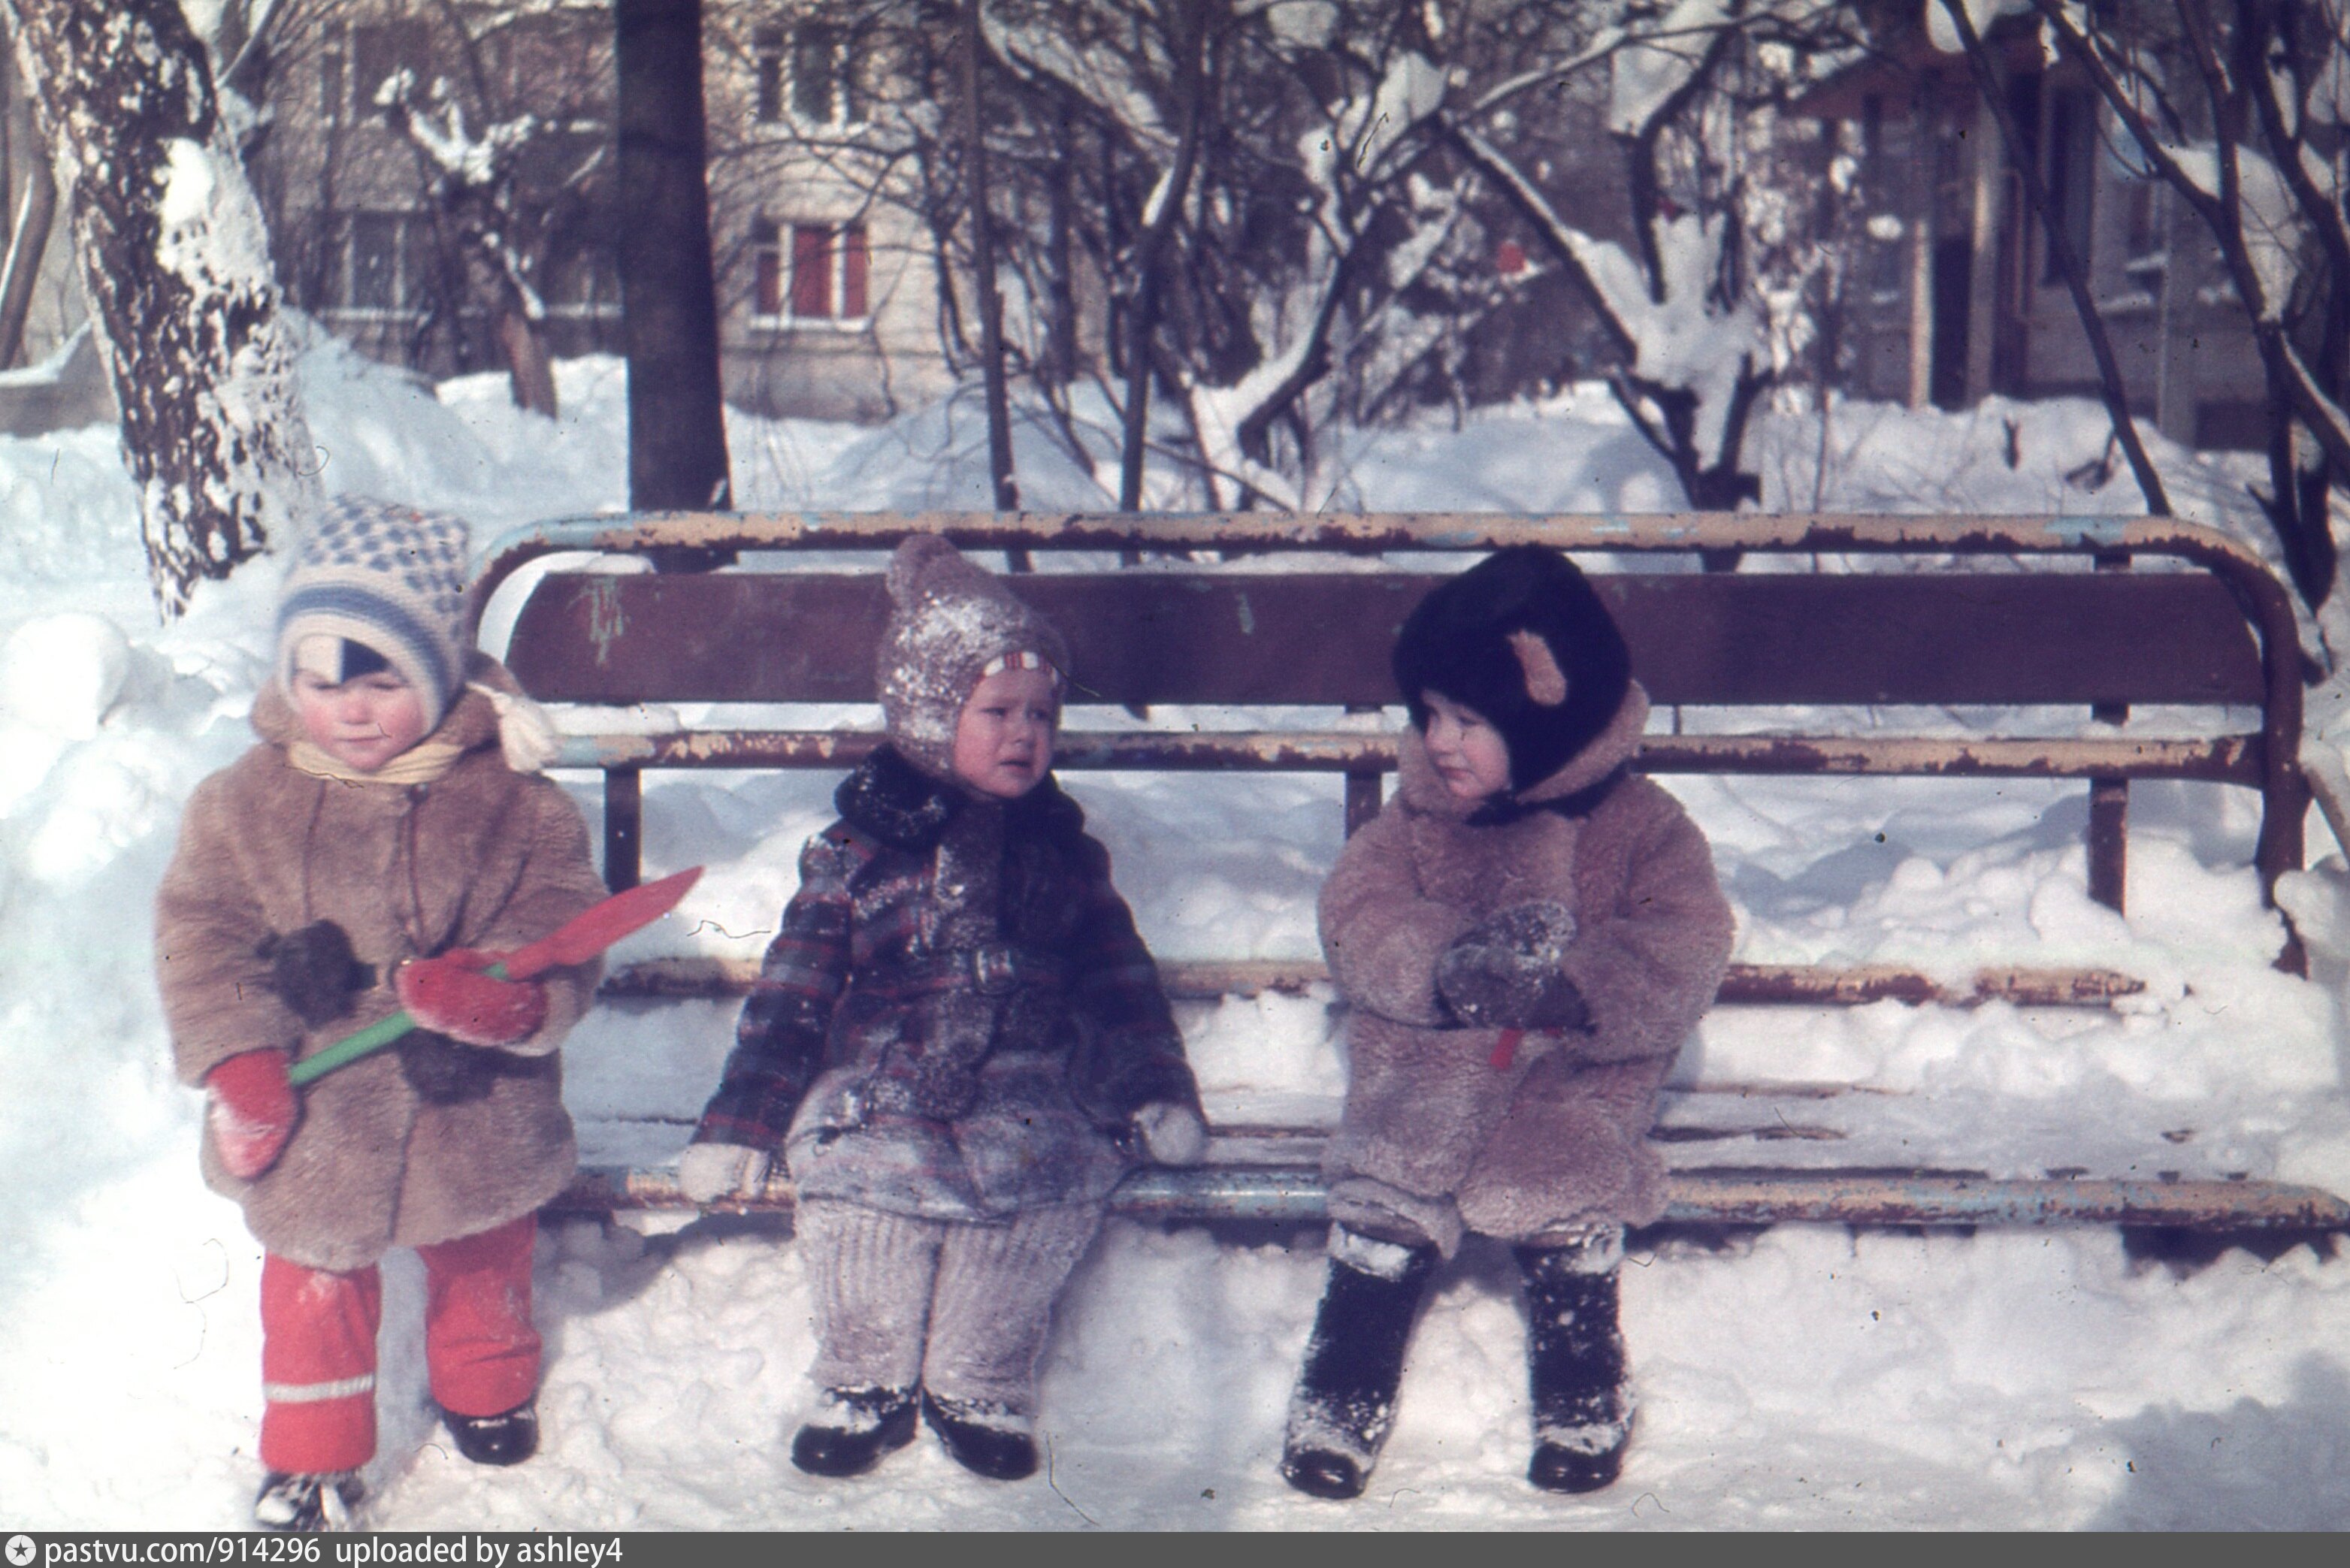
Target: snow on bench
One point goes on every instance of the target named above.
(1255, 648)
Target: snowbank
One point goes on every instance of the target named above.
(1799, 1377)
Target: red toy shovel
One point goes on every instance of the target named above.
(576, 940)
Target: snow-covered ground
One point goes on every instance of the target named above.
(1803, 1376)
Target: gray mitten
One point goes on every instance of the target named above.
(1504, 972)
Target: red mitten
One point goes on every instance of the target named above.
(251, 1111)
(452, 995)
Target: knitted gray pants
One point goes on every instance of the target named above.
(962, 1309)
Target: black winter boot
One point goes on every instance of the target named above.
(988, 1439)
(856, 1427)
(304, 1502)
(1575, 1358)
(506, 1438)
(1345, 1396)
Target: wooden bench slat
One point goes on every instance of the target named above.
(1698, 1197)
(1210, 980)
(1244, 639)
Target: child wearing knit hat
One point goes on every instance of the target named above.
(1523, 937)
(957, 1044)
(386, 837)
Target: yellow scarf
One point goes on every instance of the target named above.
(423, 762)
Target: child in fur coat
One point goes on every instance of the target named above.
(1524, 937)
(357, 861)
(956, 1041)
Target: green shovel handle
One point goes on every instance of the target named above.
(353, 1046)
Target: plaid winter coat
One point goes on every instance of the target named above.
(1444, 1129)
(957, 1019)
(428, 1140)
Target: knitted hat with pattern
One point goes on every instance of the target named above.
(389, 579)
(950, 621)
(1524, 641)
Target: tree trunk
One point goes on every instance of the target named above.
(1157, 224)
(990, 305)
(529, 373)
(29, 242)
(175, 261)
(1060, 362)
(668, 301)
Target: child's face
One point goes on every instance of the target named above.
(1004, 740)
(362, 723)
(1470, 754)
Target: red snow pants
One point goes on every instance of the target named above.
(318, 1344)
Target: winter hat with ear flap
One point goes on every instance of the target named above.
(951, 625)
(1522, 639)
(376, 585)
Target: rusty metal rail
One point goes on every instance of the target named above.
(2226, 759)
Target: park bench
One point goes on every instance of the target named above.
(1282, 617)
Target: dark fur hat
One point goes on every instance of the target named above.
(1522, 639)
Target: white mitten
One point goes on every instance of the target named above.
(707, 1172)
(1172, 1132)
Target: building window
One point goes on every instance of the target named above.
(807, 69)
(381, 264)
(539, 60)
(767, 60)
(820, 83)
(810, 272)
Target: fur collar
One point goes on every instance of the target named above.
(892, 800)
(1583, 777)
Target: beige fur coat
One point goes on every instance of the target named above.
(481, 857)
(1435, 1138)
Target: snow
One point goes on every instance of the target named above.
(1642, 76)
(1981, 14)
(1801, 1377)
(62, 672)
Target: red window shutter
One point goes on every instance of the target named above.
(811, 270)
(852, 271)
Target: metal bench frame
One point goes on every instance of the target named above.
(2268, 673)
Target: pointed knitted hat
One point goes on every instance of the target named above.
(376, 585)
(1525, 640)
(951, 624)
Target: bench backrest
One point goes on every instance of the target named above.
(1990, 612)
(1158, 637)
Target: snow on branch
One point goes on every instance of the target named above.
(1351, 162)
(1683, 338)
(435, 122)
(1105, 77)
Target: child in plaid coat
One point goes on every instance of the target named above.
(958, 1044)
